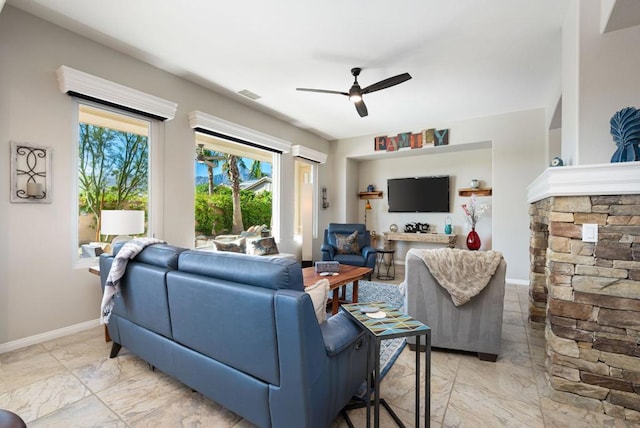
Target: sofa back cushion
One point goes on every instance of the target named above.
(223, 306)
(271, 273)
(143, 292)
(161, 255)
(143, 298)
(219, 304)
(232, 323)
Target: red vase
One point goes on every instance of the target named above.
(473, 240)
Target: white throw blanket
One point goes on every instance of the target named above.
(462, 273)
(112, 287)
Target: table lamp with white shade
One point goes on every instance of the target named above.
(122, 224)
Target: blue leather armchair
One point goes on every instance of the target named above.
(367, 255)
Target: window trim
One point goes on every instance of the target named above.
(95, 89)
(313, 156)
(204, 122)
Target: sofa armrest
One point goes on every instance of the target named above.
(328, 252)
(368, 251)
(339, 333)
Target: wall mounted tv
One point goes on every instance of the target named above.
(418, 194)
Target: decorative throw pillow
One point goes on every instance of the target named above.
(347, 244)
(250, 239)
(264, 246)
(318, 293)
(236, 246)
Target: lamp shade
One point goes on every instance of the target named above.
(122, 222)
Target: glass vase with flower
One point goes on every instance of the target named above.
(473, 212)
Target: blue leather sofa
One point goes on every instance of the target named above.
(240, 330)
(366, 255)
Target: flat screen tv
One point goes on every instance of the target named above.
(418, 194)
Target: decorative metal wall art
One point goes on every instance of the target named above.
(30, 173)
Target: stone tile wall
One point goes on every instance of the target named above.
(539, 224)
(588, 294)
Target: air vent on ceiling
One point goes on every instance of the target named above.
(247, 93)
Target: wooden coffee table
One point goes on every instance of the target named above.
(346, 275)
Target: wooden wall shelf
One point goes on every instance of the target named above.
(371, 195)
(433, 238)
(478, 192)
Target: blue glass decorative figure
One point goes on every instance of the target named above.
(557, 161)
(625, 129)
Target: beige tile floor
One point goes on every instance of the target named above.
(71, 382)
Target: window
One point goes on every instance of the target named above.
(113, 172)
(234, 187)
(248, 139)
(305, 218)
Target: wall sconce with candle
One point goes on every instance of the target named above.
(30, 173)
(325, 200)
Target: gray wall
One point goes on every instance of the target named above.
(40, 290)
(600, 77)
(518, 156)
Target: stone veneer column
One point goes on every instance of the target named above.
(593, 289)
(539, 214)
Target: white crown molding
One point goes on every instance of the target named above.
(307, 153)
(74, 81)
(622, 178)
(198, 119)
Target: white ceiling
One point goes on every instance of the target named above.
(468, 58)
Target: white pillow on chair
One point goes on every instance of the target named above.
(319, 293)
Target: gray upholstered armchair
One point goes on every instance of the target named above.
(475, 326)
(340, 244)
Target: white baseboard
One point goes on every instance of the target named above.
(49, 335)
(524, 282)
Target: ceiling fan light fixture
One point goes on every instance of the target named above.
(355, 92)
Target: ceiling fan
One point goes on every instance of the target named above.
(355, 93)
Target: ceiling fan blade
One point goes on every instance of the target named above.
(387, 83)
(361, 108)
(322, 91)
